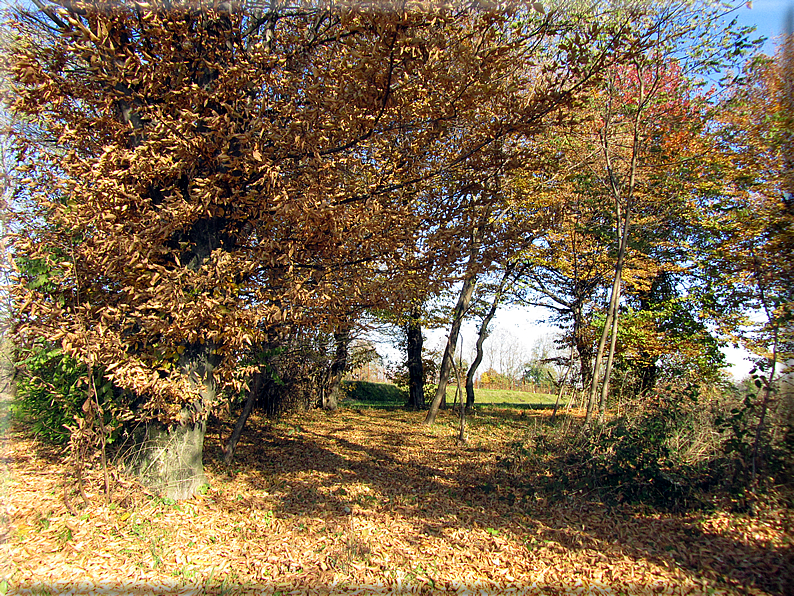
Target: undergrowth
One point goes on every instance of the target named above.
(672, 451)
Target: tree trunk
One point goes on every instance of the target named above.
(610, 327)
(622, 235)
(169, 460)
(602, 402)
(768, 382)
(416, 375)
(584, 347)
(461, 406)
(482, 335)
(461, 307)
(449, 352)
(338, 366)
(231, 445)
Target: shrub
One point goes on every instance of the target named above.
(52, 390)
(663, 451)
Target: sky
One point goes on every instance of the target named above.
(768, 16)
(525, 326)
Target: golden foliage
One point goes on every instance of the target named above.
(196, 176)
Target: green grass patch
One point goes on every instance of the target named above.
(508, 398)
(373, 395)
(362, 394)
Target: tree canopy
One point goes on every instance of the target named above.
(202, 186)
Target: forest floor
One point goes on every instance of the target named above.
(367, 502)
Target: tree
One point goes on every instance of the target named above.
(416, 373)
(197, 176)
(462, 305)
(565, 268)
(649, 112)
(747, 245)
(482, 333)
(630, 164)
(633, 120)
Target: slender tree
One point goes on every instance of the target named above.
(482, 333)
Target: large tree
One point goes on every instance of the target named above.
(196, 175)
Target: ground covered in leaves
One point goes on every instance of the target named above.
(370, 502)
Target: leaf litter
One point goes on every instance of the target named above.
(368, 502)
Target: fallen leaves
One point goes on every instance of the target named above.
(370, 502)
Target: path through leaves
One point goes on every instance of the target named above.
(370, 502)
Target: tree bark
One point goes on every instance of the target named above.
(338, 366)
(461, 406)
(482, 335)
(584, 347)
(464, 299)
(768, 382)
(416, 376)
(602, 402)
(169, 460)
(610, 328)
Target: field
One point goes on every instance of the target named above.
(385, 395)
(370, 501)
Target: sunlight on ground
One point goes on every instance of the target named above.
(375, 502)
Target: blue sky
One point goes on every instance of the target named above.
(768, 16)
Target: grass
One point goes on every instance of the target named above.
(373, 395)
(362, 394)
(514, 399)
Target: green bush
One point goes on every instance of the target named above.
(663, 452)
(52, 390)
(373, 394)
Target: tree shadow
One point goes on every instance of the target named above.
(306, 471)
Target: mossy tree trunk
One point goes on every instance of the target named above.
(169, 460)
